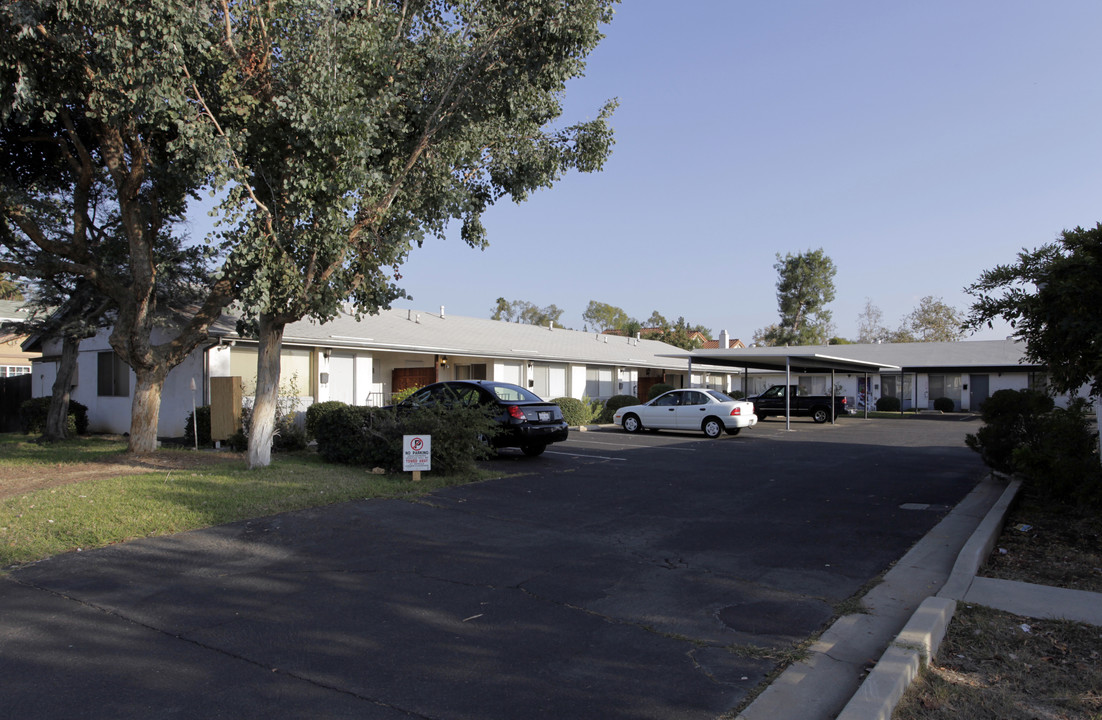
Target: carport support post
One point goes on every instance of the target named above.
(787, 392)
(832, 396)
(867, 395)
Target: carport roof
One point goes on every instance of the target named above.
(958, 356)
(797, 359)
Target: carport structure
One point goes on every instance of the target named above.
(790, 360)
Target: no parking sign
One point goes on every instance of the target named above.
(417, 453)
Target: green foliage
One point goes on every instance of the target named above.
(1062, 461)
(657, 389)
(33, 412)
(945, 404)
(601, 316)
(203, 415)
(576, 412)
(613, 404)
(804, 288)
(736, 394)
(358, 435)
(521, 311)
(1011, 420)
(401, 395)
(932, 321)
(888, 404)
(1051, 296)
(314, 412)
(1054, 450)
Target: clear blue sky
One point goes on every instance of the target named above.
(916, 143)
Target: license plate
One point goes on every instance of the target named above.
(544, 416)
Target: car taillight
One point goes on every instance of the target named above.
(844, 401)
(736, 411)
(516, 413)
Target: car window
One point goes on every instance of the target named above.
(513, 393)
(721, 397)
(694, 398)
(429, 395)
(777, 391)
(471, 395)
(668, 400)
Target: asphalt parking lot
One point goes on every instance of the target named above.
(615, 576)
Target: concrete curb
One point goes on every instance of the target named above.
(920, 638)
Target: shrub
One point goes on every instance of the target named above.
(357, 435)
(1062, 460)
(576, 412)
(340, 432)
(401, 395)
(657, 389)
(944, 404)
(33, 412)
(888, 404)
(314, 412)
(614, 403)
(289, 434)
(203, 416)
(736, 395)
(1012, 419)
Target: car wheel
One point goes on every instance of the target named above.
(820, 415)
(533, 450)
(631, 424)
(712, 427)
(733, 431)
(761, 416)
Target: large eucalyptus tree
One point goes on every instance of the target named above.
(361, 127)
(342, 132)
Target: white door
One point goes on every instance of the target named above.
(342, 378)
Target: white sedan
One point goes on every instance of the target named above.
(690, 409)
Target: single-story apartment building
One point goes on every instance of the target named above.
(366, 361)
(965, 371)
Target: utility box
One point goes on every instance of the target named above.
(225, 407)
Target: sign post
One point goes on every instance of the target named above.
(417, 454)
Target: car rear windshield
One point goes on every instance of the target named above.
(513, 393)
(722, 397)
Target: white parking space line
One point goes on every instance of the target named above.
(584, 455)
(642, 444)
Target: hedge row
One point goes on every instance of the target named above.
(370, 436)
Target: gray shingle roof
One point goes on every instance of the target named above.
(426, 332)
(961, 355)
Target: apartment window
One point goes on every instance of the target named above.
(13, 370)
(113, 375)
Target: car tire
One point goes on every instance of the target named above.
(712, 427)
(761, 416)
(820, 415)
(733, 431)
(631, 423)
(533, 450)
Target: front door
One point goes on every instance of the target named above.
(406, 378)
(978, 389)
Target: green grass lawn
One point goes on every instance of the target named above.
(99, 510)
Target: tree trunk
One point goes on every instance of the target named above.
(57, 418)
(1098, 414)
(146, 409)
(262, 429)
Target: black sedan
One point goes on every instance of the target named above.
(527, 422)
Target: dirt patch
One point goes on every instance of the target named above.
(19, 480)
(1052, 544)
